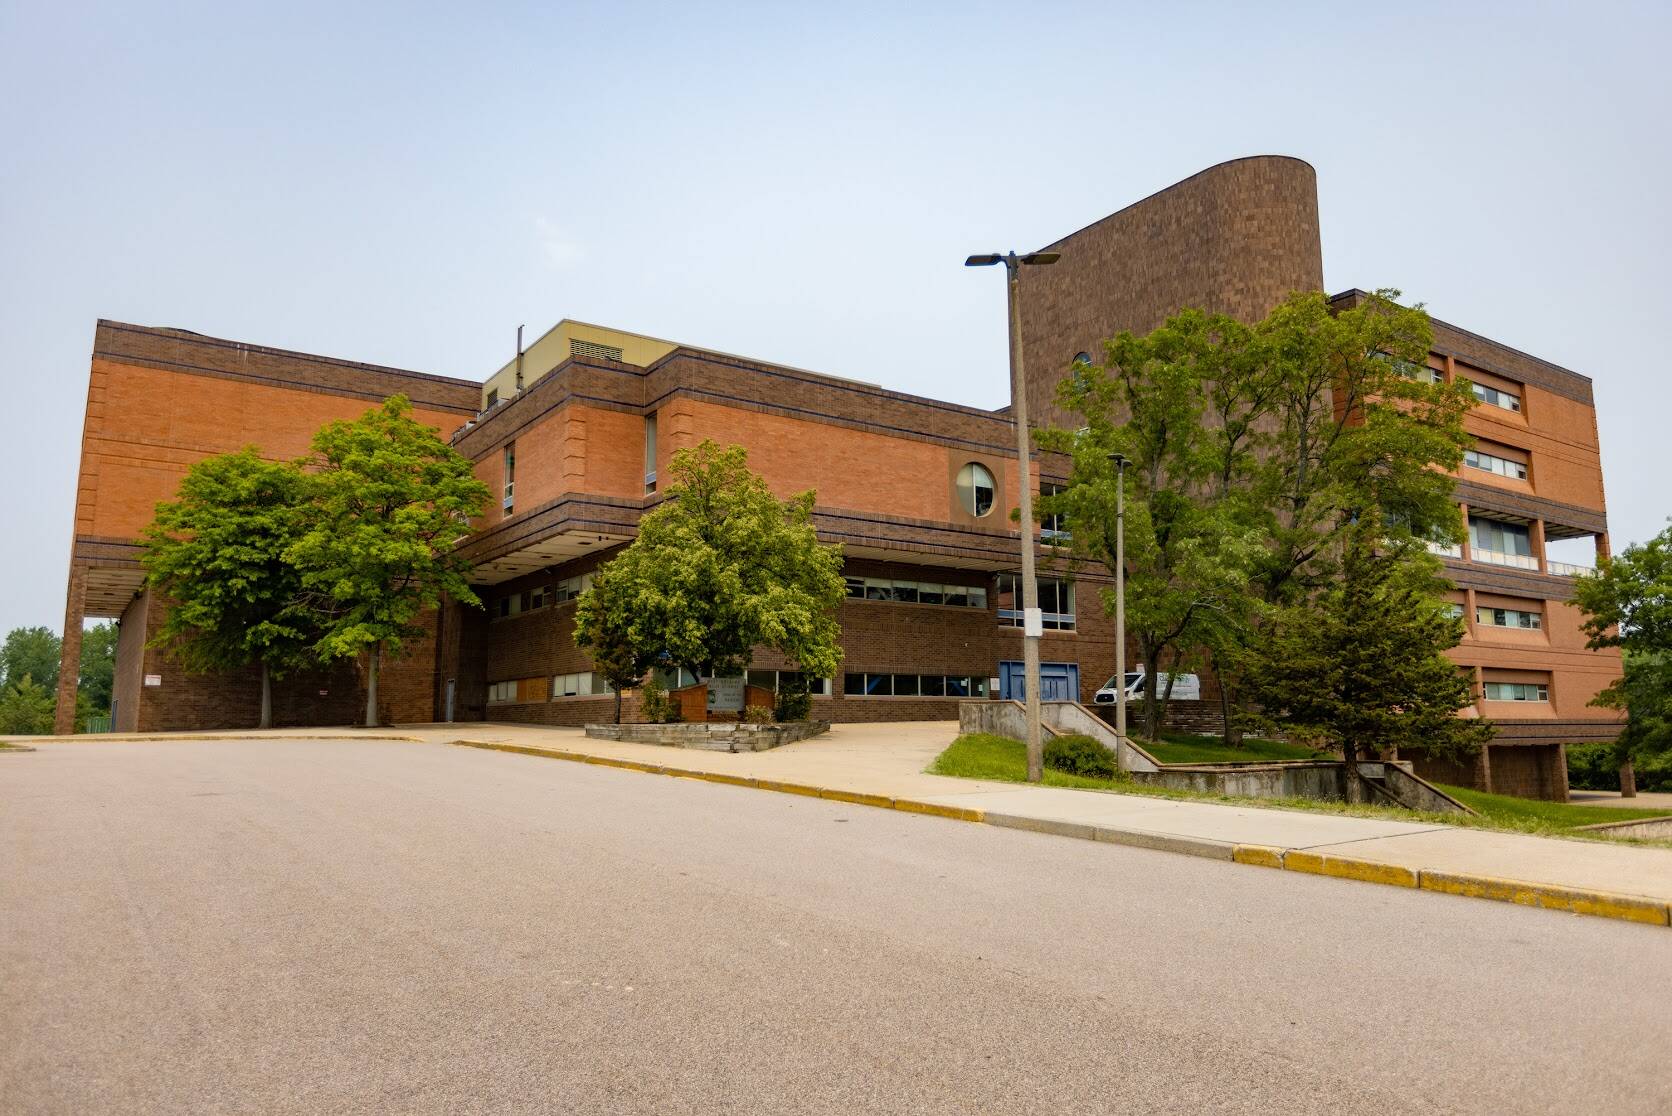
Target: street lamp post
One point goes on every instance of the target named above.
(1121, 461)
(1033, 623)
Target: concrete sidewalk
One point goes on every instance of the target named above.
(883, 765)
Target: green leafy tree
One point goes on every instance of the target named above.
(32, 652)
(389, 502)
(621, 652)
(25, 707)
(219, 556)
(1250, 447)
(1351, 428)
(1628, 604)
(720, 568)
(1187, 546)
(97, 682)
(1361, 664)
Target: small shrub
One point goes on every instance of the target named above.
(794, 702)
(659, 708)
(1078, 754)
(758, 715)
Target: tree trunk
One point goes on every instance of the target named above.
(266, 697)
(1354, 783)
(1628, 779)
(371, 684)
(1231, 736)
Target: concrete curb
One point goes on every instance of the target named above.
(1600, 904)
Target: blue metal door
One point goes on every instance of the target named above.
(1057, 681)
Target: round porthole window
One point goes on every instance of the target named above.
(975, 489)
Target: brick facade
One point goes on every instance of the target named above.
(1237, 238)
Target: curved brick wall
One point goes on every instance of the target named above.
(1235, 238)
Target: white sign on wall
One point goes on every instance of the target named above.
(153, 680)
(725, 695)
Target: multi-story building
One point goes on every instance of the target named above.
(573, 437)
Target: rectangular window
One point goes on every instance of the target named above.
(1454, 610)
(1496, 397)
(650, 452)
(1421, 373)
(774, 679)
(1501, 544)
(584, 684)
(674, 678)
(913, 685)
(1508, 618)
(510, 475)
(571, 587)
(1491, 463)
(915, 592)
(1517, 691)
(1053, 526)
(1056, 601)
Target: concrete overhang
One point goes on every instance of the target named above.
(553, 550)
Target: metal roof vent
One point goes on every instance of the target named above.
(579, 348)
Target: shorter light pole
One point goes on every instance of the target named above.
(1120, 461)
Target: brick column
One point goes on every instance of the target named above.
(1561, 780)
(69, 664)
(1469, 615)
(1538, 544)
(1466, 549)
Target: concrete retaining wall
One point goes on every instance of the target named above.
(1643, 829)
(721, 737)
(1321, 779)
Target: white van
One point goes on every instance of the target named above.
(1186, 687)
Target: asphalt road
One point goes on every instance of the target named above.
(306, 926)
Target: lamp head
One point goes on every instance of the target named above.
(983, 261)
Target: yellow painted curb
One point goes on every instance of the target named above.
(956, 813)
(1602, 904)
(1347, 868)
(879, 800)
(790, 788)
(1263, 856)
(722, 777)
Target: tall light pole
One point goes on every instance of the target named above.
(1033, 623)
(1121, 461)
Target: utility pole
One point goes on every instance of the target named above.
(1033, 623)
(1121, 461)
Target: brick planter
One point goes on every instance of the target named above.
(722, 737)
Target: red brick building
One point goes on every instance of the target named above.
(572, 437)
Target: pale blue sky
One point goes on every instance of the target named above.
(405, 184)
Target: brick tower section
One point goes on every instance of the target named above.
(1236, 239)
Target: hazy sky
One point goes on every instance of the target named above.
(404, 185)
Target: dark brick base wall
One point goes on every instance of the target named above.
(1524, 770)
(185, 702)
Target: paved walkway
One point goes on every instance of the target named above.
(1645, 800)
(888, 761)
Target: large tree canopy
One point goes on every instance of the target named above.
(31, 652)
(389, 502)
(719, 568)
(219, 556)
(1251, 449)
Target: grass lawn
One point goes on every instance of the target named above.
(1000, 759)
(1179, 747)
(5, 747)
(1547, 816)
